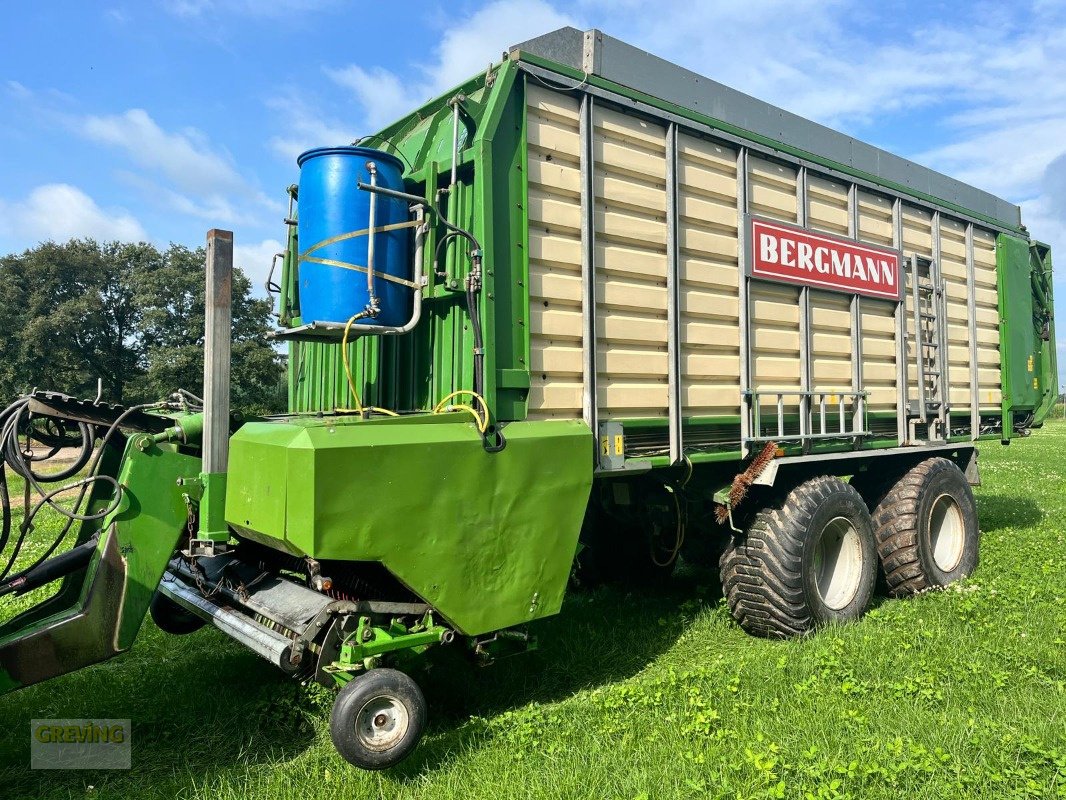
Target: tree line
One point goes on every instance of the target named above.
(131, 315)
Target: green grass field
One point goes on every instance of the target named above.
(960, 693)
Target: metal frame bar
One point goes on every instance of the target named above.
(856, 313)
(806, 369)
(673, 298)
(734, 141)
(902, 389)
(943, 357)
(856, 430)
(971, 311)
(744, 298)
(589, 398)
(919, 339)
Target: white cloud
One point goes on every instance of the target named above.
(479, 40)
(305, 127)
(59, 211)
(255, 260)
(464, 50)
(185, 158)
(16, 89)
(381, 94)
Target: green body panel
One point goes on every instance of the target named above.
(1029, 369)
(414, 371)
(152, 518)
(486, 539)
(103, 619)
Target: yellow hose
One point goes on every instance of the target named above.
(359, 407)
(483, 419)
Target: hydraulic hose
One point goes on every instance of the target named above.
(12, 455)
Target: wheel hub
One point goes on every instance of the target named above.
(838, 563)
(382, 723)
(947, 532)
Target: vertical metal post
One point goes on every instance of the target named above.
(940, 308)
(217, 338)
(859, 407)
(971, 313)
(589, 403)
(744, 304)
(806, 371)
(902, 392)
(673, 298)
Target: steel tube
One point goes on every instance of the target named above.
(261, 640)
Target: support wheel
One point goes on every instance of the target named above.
(806, 562)
(172, 618)
(926, 529)
(378, 719)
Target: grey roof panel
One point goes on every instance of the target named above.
(596, 53)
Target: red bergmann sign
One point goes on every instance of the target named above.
(789, 253)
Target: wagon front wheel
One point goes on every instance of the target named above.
(806, 562)
(378, 719)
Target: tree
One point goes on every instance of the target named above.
(128, 314)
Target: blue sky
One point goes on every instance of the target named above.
(159, 120)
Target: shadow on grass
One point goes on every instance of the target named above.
(996, 511)
(200, 707)
(600, 637)
(203, 708)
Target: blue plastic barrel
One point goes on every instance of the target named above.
(332, 204)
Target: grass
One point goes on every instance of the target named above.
(960, 693)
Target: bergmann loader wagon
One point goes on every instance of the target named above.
(585, 314)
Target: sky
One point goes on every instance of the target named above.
(160, 119)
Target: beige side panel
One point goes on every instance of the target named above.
(875, 218)
(555, 325)
(775, 344)
(879, 347)
(709, 278)
(879, 353)
(771, 190)
(827, 205)
(917, 238)
(630, 266)
(830, 341)
(831, 350)
(987, 299)
(953, 270)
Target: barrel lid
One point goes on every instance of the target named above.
(349, 150)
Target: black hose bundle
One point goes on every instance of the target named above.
(17, 420)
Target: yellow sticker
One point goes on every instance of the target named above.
(619, 444)
(1036, 383)
(1030, 363)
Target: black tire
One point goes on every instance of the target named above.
(377, 719)
(780, 577)
(926, 529)
(172, 618)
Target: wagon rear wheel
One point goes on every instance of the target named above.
(926, 528)
(807, 562)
